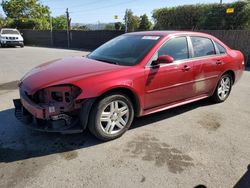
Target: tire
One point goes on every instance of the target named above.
(111, 116)
(223, 88)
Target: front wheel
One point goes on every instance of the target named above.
(111, 117)
(223, 88)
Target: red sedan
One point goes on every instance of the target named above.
(134, 74)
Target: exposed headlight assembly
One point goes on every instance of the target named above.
(57, 94)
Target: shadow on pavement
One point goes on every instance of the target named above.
(244, 180)
(18, 142)
(200, 186)
(145, 120)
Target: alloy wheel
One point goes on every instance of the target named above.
(224, 88)
(114, 117)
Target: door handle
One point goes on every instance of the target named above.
(218, 62)
(186, 68)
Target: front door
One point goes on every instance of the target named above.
(168, 83)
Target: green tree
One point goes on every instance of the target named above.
(118, 26)
(27, 14)
(109, 27)
(203, 16)
(131, 21)
(80, 27)
(1, 21)
(217, 18)
(145, 24)
(5, 22)
(181, 17)
(59, 22)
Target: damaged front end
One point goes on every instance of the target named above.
(53, 109)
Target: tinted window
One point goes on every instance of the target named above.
(125, 49)
(221, 49)
(202, 46)
(176, 47)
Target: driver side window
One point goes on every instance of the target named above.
(176, 48)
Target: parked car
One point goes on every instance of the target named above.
(11, 37)
(135, 74)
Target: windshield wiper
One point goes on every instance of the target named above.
(107, 61)
(112, 62)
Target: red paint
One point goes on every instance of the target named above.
(156, 88)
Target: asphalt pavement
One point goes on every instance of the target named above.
(197, 145)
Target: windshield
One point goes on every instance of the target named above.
(10, 31)
(124, 50)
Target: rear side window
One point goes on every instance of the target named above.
(176, 48)
(221, 49)
(202, 46)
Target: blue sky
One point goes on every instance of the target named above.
(94, 11)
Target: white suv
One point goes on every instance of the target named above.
(11, 37)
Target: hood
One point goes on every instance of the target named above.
(62, 70)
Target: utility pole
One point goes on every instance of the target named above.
(51, 31)
(126, 21)
(68, 26)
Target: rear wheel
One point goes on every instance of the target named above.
(223, 88)
(111, 117)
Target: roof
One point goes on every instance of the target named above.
(155, 33)
(165, 33)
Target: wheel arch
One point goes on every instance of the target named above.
(129, 93)
(230, 72)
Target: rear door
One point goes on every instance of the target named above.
(168, 83)
(207, 64)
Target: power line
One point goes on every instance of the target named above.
(108, 6)
(85, 4)
(78, 5)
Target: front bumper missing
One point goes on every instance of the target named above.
(61, 123)
(53, 117)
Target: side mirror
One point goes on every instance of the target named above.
(164, 59)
